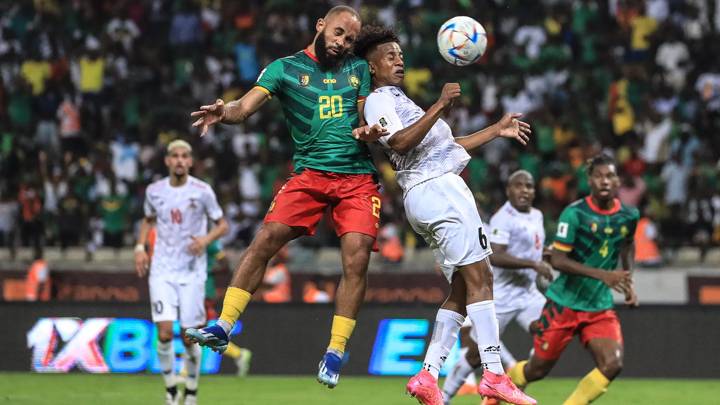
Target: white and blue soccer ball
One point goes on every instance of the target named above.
(462, 41)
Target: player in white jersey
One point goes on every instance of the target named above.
(517, 238)
(179, 206)
(441, 208)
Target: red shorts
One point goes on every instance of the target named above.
(557, 326)
(354, 201)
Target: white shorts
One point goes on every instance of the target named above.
(524, 312)
(170, 301)
(443, 211)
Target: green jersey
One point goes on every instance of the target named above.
(593, 237)
(214, 253)
(321, 110)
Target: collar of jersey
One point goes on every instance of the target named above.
(615, 208)
(310, 55)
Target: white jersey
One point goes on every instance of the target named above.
(436, 155)
(524, 235)
(180, 212)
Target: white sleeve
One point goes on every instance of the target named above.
(380, 109)
(500, 228)
(212, 208)
(148, 207)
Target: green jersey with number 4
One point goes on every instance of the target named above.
(320, 108)
(593, 237)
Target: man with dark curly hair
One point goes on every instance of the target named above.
(442, 209)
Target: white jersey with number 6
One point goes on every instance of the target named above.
(181, 213)
(438, 204)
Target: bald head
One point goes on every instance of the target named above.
(521, 190)
(335, 35)
(342, 9)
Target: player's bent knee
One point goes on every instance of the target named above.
(165, 335)
(612, 367)
(538, 369)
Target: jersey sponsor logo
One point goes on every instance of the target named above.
(329, 81)
(354, 81)
(303, 80)
(562, 230)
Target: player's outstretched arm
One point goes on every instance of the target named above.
(509, 126)
(142, 260)
(233, 112)
(407, 138)
(502, 258)
(619, 280)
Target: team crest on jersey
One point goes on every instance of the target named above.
(354, 81)
(608, 230)
(623, 231)
(594, 227)
(192, 203)
(304, 80)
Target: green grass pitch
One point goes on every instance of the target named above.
(81, 389)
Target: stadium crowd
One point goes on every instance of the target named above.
(92, 91)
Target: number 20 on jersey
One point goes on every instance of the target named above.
(330, 107)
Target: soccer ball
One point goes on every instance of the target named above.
(461, 41)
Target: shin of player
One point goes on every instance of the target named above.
(179, 206)
(517, 238)
(593, 233)
(440, 208)
(330, 89)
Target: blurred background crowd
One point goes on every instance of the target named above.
(92, 90)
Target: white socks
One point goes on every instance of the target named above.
(166, 355)
(445, 334)
(457, 376)
(487, 334)
(192, 365)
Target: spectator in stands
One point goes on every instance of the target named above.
(37, 281)
(8, 221)
(31, 213)
(114, 210)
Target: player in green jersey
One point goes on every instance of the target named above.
(321, 90)
(592, 234)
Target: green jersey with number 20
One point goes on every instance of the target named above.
(320, 108)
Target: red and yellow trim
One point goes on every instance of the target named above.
(311, 55)
(563, 247)
(612, 210)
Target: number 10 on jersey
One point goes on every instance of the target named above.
(330, 107)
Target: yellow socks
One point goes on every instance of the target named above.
(233, 351)
(234, 304)
(590, 388)
(341, 330)
(517, 374)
